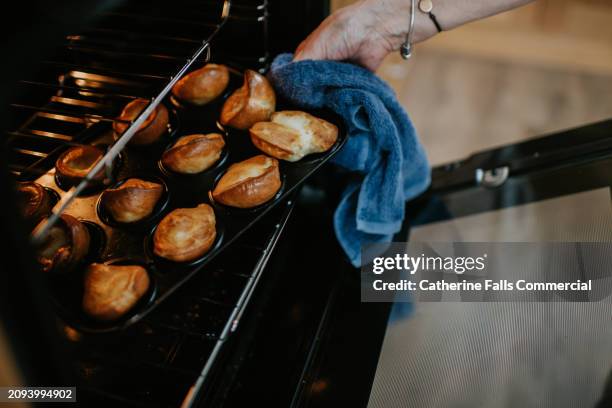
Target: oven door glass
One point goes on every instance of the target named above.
(455, 354)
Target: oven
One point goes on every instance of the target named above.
(275, 319)
(75, 66)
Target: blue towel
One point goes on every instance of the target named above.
(382, 145)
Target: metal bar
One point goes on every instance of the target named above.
(30, 152)
(159, 18)
(41, 134)
(213, 3)
(133, 42)
(79, 102)
(145, 35)
(117, 147)
(91, 50)
(105, 70)
(79, 89)
(61, 118)
(234, 319)
(94, 118)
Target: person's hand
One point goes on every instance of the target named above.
(363, 33)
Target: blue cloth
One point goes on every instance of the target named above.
(382, 145)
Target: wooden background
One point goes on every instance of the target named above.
(544, 67)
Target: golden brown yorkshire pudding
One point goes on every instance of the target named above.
(185, 234)
(194, 153)
(253, 102)
(151, 129)
(74, 164)
(291, 135)
(203, 85)
(65, 246)
(132, 201)
(35, 202)
(112, 290)
(249, 183)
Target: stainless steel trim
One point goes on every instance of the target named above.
(236, 315)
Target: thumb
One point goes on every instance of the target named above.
(299, 51)
(310, 48)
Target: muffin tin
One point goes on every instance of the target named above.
(132, 243)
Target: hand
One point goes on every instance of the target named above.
(363, 33)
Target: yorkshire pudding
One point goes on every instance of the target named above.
(65, 245)
(112, 290)
(75, 163)
(253, 102)
(203, 85)
(151, 129)
(132, 201)
(249, 183)
(185, 234)
(34, 200)
(194, 153)
(291, 135)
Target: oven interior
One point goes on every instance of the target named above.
(95, 60)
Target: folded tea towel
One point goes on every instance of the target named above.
(382, 145)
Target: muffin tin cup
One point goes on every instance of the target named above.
(311, 159)
(97, 242)
(237, 211)
(146, 222)
(94, 186)
(184, 191)
(202, 176)
(54, 198)
(79, 320)
(169, 265)
(172, 129)
(186, 108)
(53, 195)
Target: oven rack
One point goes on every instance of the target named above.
(135, 60)
(105, 162)
(124, 56)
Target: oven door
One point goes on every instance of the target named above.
(552, 188)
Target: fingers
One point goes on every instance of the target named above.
(310, 47)
(325, 42)
(298, 51)
(347, 34)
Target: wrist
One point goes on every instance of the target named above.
(424, 27)
(390, 19)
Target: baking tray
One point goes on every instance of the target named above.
(114, 243)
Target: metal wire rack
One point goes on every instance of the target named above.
(139, 50)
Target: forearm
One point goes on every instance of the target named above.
(453, 13)
(393, 15)
(366, 31)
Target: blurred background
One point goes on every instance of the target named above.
(524, 73)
